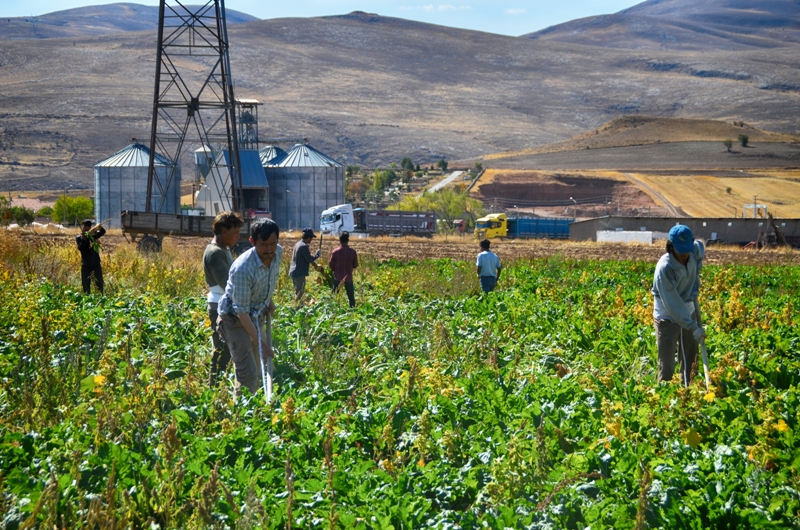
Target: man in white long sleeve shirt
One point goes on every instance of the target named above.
(676, 284)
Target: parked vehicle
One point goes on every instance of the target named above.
(497, 225)
(361, 222)
(150, 228)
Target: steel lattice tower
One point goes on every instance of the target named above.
(193, 100)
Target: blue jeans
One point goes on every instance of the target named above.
(488, 283)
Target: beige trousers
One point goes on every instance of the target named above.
(244, 352)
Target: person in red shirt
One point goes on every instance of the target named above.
(343, 260)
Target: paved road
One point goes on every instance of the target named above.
(439, 185)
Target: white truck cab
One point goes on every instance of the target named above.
(337, 219)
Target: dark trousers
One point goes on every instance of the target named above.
(92, 271)
(348, 287)
(299, 287)
(222, 355)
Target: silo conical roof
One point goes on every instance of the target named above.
(270, 154)
(303, 155)
(134, 155)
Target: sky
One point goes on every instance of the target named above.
(505, 17)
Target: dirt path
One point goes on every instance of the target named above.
(673, 211)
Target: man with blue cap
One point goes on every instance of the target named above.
(676, 284)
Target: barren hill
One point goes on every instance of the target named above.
(92, 20)
(686, 25)
(627, 131)
(369, 90)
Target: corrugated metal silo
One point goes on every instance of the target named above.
(303, 182)
(269, 153)
(120, 183)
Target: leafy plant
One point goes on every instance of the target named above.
(430, 405)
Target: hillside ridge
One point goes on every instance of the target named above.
(636, 130)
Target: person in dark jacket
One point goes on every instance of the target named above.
(89, 246)
(301, 259)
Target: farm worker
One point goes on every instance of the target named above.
(301, 259)
(489, 267)
(217, 260)
(343, 260)
(676, 284)
(248, 300)
(89, 247)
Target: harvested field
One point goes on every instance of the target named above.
(706, 196)
(465, 248)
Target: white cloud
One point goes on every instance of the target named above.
(515, 11)
(448, 7)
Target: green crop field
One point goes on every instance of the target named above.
(429, 405)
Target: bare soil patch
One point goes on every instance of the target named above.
(551, 194)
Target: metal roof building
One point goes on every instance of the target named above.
(120, 183)
(303, 183)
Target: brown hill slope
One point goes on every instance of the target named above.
(369, 90)
(627, 131)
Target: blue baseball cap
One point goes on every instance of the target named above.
(682, 239)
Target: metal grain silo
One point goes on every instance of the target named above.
(120, 183)
(303, 182)
(269, 153)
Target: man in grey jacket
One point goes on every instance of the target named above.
(676, 284)
(301, 259)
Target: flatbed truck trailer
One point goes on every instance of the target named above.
(151, 228)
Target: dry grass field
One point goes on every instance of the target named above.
(707, 196)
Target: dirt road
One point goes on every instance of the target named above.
(673, 211)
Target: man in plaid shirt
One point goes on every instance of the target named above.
(246, 302)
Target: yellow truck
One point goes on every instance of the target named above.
(497, 225)
(492, 226)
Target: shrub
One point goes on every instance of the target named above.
(72, 209)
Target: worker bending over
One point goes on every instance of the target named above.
(676, 316)
(247, 303)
